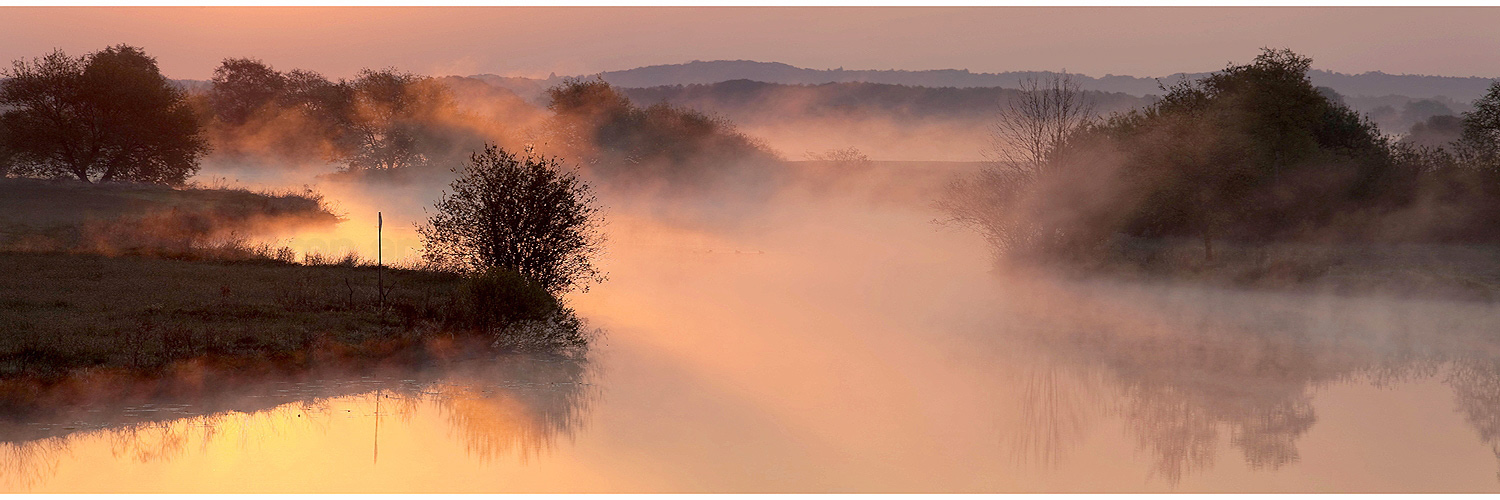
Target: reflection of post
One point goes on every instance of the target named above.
(376, 460)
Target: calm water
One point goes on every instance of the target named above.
(841, 346)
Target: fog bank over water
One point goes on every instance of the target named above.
(828, 336)
(915, 250)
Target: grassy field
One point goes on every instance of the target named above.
(69, 321)
(111, 282)
(61, 312)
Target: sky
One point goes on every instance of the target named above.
(188, 42)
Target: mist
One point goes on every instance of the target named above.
(852, 301)
(753, 325)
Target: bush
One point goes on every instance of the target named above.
(520, 314)
(523, 213)
(499, 297)
(560, 333)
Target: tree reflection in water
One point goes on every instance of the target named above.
(1185, 368)
(539, 401)
(511, 406)
(25, 465)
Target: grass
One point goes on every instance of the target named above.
(72, 321)
(62, 312)
(109, 282)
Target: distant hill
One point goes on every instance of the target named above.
(1461, 89)
(703, 72)
(747, 101)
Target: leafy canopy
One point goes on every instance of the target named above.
(107, 116)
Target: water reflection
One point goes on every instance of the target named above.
(510, 407)
(1476, 384)
(525, 416)
(1054, 409)
(1189, 369)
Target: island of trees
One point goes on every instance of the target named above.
(1241, 164)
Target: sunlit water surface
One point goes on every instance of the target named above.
(830, 344)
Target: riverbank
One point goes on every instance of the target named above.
(76, 316)
(1439, 271)
(66, 311)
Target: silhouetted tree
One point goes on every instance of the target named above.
(522, 213)
(107, 116)
(1437, 131)
(1254, 151)
(597, 123)
(330, 102)
(242, 86)
(1479, 146)
(843, 159)
(391, 110)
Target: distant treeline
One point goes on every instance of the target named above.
(380, 120)
(752, 101)
(112, 116)
(600, 125)
(755, 93)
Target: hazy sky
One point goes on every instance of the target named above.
(189, 41)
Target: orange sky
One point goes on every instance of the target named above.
(189, 41)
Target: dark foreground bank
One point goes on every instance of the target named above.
(76, 316)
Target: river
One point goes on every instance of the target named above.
(830, 343)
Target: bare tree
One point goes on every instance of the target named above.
(1028, 129)
(1034, 122)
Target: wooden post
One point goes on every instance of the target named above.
(379, 260)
